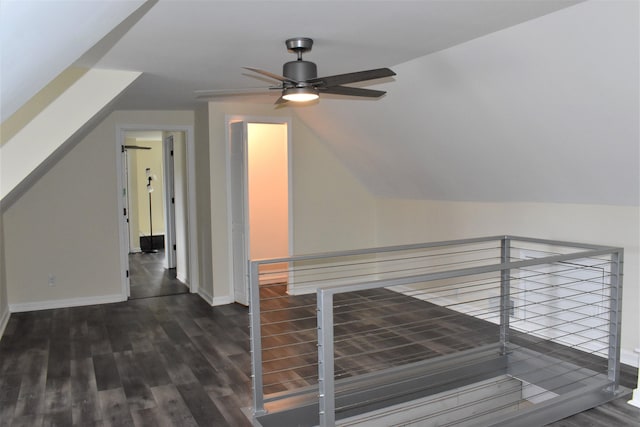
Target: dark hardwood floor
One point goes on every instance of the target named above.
(149, 278)
(149, 362)
(393, 329)
(165, 361)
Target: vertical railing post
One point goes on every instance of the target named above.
(615, 319)
(325, 359)
(256, 339)
(505, 294)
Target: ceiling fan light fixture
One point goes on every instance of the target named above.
(300, 94)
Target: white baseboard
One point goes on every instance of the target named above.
(205, 296)
(4, 320)
(301, 290)
(64, 303)
(214, 301)
(295, 289)
(222, 301)
(183, 279)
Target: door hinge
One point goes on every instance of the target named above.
(127, 273)
(173, 200)
(122, 148)
(174, 247)
(172, 152)
(125, 211)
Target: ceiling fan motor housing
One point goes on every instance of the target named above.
(300, 71)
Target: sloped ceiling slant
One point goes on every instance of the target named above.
(545, 111)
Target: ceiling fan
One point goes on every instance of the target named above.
(299, 81)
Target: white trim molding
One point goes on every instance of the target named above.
(222, 301)
(192, 231)
(234, 118)
(65, 303)
(215, 301)
(205, 296)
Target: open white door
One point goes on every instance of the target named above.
(125, 239)
(169, 204)
(126, 195)
(239, 223)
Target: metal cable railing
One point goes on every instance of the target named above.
(342, 328)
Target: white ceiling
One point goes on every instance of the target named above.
(546, 111)
(495, 100)
(182, 46)
(39, 40)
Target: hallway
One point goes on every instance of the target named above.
(149, 278)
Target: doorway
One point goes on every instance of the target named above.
(259, 164)
(155, 211)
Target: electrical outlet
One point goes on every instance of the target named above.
(52, 280)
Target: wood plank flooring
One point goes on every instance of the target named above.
(374, 330)
(150, 362)
(165, 361)
(149, 278)
(392, 329)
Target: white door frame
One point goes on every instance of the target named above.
(193, 273)
(254, 119)
(126, 197)
(239, 194)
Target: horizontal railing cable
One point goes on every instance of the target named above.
(405, 305)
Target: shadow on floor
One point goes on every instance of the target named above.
(149, 278)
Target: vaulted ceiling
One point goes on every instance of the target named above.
(506, 100)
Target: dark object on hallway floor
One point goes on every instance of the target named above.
(149, 278)
(152, 243)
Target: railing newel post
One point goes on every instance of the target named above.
(256, 338)
(326, 392)
(615, 319)
(549, 299)
(505, 294)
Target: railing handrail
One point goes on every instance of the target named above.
(443, 243)
(502, 263)
(461, 272)
(325, 299)
(379, 249)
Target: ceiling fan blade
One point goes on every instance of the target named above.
(230, 92)
(280, 101)
(358, 76)
(352, 91)
(268, 74)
